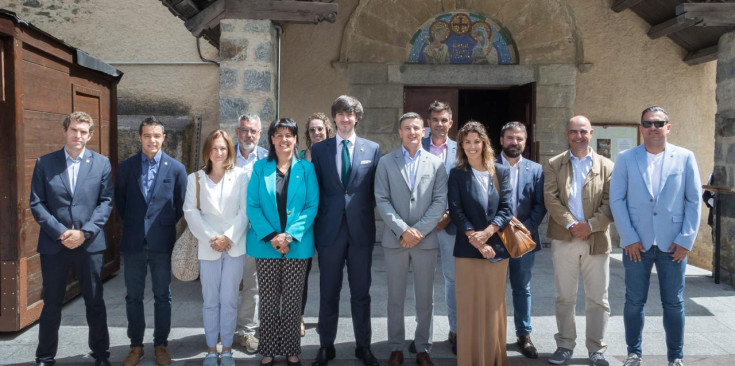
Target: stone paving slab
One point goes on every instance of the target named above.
(708, 341)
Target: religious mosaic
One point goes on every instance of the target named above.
(462, 38)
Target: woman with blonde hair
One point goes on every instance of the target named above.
(217, 219)
(480, 206)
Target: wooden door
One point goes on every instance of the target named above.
(418, 99)
(522, 108)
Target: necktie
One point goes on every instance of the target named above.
(149, 179)
(346, 165)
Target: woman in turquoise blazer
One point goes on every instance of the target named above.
(282, 202)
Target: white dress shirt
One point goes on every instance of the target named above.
(513, 180)
(580, 170)
(72, 168)
(350, 147)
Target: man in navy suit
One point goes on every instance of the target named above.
(527, 181)
(345, 227)
(71, 199)
(655, 197)
(439, 144)
(149, 196)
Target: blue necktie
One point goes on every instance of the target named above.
(346, 166)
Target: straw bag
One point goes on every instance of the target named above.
(516, 237)
(185, 257)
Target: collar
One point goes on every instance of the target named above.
(79, 157)
(407, 155)
(239, 154)
(507, 163)
(351, 139)
(156, 158)
(586, 157)
(442, 146)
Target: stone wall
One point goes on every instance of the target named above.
(180, 138)
(724, 171)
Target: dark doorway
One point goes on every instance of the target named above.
(493, 107)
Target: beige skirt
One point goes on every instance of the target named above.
(481, 314)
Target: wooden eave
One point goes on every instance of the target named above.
(695, 26)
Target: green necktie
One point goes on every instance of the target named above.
(346, 165)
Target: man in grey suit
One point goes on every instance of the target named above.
(439, 144)
(411, 197)
(248, 134)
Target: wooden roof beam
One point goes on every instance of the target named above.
(709, 14)
(670, 26)
(620, 5)
(207, 18)
(701, 56)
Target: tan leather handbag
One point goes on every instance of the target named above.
(185, 257)
(516, 237)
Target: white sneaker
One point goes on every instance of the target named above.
(677, 362)
(250, 342)
(633, 360)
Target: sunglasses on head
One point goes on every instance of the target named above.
(658, 124)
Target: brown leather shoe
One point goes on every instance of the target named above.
(136, 353)
(162, 356)
(423, 359)
(395, 359)
(527, 347)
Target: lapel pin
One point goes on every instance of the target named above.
(87, 161)
(297, 177)
(362, 149)
(165, 163)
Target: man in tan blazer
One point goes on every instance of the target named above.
(576, 194)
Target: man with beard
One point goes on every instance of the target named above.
(527, 180)
(655, 198)
(248, 151)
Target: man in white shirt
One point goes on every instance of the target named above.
(248, 134)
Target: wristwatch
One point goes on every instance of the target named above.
(289, 238)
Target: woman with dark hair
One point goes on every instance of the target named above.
(480, 206)
(282, 205)
(318, 129)
(217, 219)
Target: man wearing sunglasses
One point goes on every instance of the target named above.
(655, 199)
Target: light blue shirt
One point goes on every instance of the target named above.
(72, 168)
(149, 172)
(412, 164)
(580, 170)
(257, 154)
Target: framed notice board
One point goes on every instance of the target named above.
(610, 139)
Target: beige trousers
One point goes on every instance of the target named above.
(571, 258)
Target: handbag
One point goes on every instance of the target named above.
(516, 237)
(185, 257)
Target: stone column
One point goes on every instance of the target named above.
(247, 73)
(724, 171)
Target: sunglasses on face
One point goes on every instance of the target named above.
(648, 124)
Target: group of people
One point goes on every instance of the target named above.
(260, 215)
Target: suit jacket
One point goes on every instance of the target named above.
(674, 216)
(155, 221)
(210, 221)
(402, 207)
(468, 210)
(302, 203)
(355, 203)
(450, 160)
(56, 210)
(595, 200)
(530, 191)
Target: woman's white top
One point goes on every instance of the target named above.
(222, 211)
(483, 179)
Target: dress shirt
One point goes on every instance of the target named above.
(440, 151)
(350, 147)
(412, 165)
(580, 169)
(655, 163)
(149, 172)
(513, 181)
(253, 156)
(72, 168)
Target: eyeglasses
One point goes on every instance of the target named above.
(648, 124)
(243, 130)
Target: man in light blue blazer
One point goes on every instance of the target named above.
(655, 197)
(439, 144)
(71, 200)
(411, 197)
(150, 188)
(345, 227)
(527, 181)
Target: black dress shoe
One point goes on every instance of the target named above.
(293, 363)
(49, 363)
(102, 362)
(269, 363)
(324, 355)
(367, 357)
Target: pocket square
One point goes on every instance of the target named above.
(363, 162)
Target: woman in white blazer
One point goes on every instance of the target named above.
(220, 225)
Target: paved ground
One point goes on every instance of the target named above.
(709, 338)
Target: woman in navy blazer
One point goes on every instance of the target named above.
(283, 199)
(479, 210)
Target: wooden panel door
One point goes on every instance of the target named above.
(418, 99)
(522, 108)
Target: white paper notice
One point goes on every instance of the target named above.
(624, 144)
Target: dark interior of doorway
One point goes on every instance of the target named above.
(487, 106)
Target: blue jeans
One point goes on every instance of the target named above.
(519, 271)
(671, 284)
(446, 248)
(136, 269)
